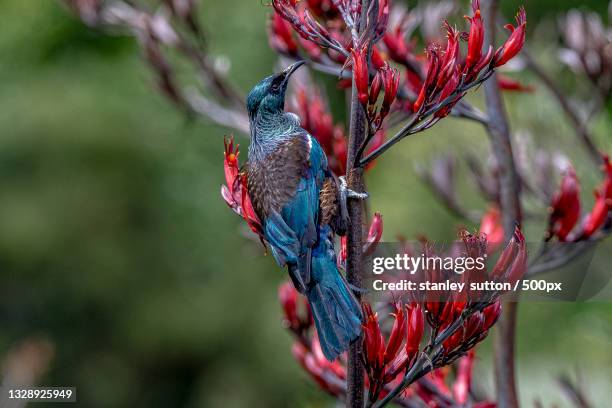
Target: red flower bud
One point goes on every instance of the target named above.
(484, 61)
(235, 193)
(317, 368)
(248, 211)
(506, 83)
(397, 48)
(343, 250)
(519, 267)
(565, 208)
(596, 218)
(375, 88)
(378, 60)
(449, 88)
(415, 327)
(281, 37)
(603, 203)
(491, 226)
(361, 74)
(463, 380)
(515, 42)
(398, 332)
(430, 80)
(512, 262)
(476, 36)
(374, 234)
(373, 340)
(390, 77)
(288, 300)
(382, 18)
(491, 314)
(230, 162)
(449, 60)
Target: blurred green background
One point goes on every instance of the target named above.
(117, 248)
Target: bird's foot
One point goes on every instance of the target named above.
(345, 194)
(348, 193)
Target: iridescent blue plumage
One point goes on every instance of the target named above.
(287, 169)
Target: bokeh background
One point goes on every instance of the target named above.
(120, 260)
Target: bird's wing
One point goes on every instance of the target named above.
(294, 175)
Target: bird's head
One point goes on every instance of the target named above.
(269, 94)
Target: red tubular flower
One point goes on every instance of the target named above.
(597, 216)
(476, 36)
(281, 37)
(603, 203)
(449, 88)
(248, 212)
(318, 7)
(288, 299)
(471, 329)
(565, 208)
(519, 266)
(395, 42)
(491, 225)
(361, 74)
(373, 341)
(382, 18)
(415, 328)
(449, 60)
(315, 117)
(385, 362)
(484, 61)
(398, 332)
(512, 262)
(390, 78)
(374, 235)
(506, 83)
(378, 60)
(318, 367)
(375, 88)
(231, 192)
(491, 314)
(293, 319)
(432, 75)
(515, 42)
(343, 251)
(463, 380)
(235, 193)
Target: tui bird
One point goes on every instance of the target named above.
(300, 205)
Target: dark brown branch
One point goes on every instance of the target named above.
(499, 134)
(354, 262)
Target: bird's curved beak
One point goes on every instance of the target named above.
(291, 69)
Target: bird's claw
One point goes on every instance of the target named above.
(348, 193)
(345, 194)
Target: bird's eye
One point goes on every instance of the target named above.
(274, 87)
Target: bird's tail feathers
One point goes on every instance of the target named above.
(336, 312)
